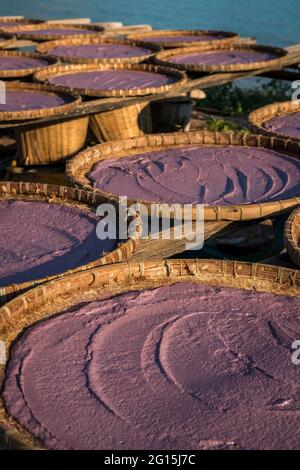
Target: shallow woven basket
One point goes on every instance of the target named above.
(163, 58)
(225, 38)
(40, 144)
(9, 21)
(72, 102)
(45, 74)
(107, 281)
(20, 31)
(122, 123)
(83, 199)
(258, 117)
(26, 72)
(45, 47)
(78, 168)
(292, 236)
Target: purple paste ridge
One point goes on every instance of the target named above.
(112, 80)
(56, 32)
(288, 125)
(99, 51)
(21, 63)
(179, 367)
(222, 57)
(30, 100)
(38, 239)
(182, 38)
(206, 175)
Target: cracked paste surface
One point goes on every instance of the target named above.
(221, 57)
(287, 125)
(179, 367)
(99, 51)
(38, 239)
(20, 63)
(112, 79)
(210, 175)
(26, 100)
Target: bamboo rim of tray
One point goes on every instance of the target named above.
(9, 40)
(163, 58)
(105, 282)
(85, 200)
(45, 47)
(10, 73)
(260, 116)
(72, 101)
(45, 74)
(20, 21)
(21, 30)
(226, 37)
(78, 167)
(292, 236)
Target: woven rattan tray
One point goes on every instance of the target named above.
(44, 301)
(21, 31)
(86, 200)
(260, 116)
(72, 101)
(45, 47)
(45, 74)
(79, 166)
(164, 58)
(26, 72)
(222, 38)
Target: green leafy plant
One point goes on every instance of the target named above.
(233, 100)
(221, 125)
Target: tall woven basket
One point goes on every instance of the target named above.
(70, 197)
(125, 122)
(108, 281)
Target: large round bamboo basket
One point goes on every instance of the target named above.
(78, 168)
(260, 116)
(108, 281)
(130, 121)
(40, 144)
(46, 74)
(45, 47)
(23, 31)
(72, 101)
(85, 200)
(292, 236)
(26, 72)
(222, 38)
(10, 21)
(163, 58)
